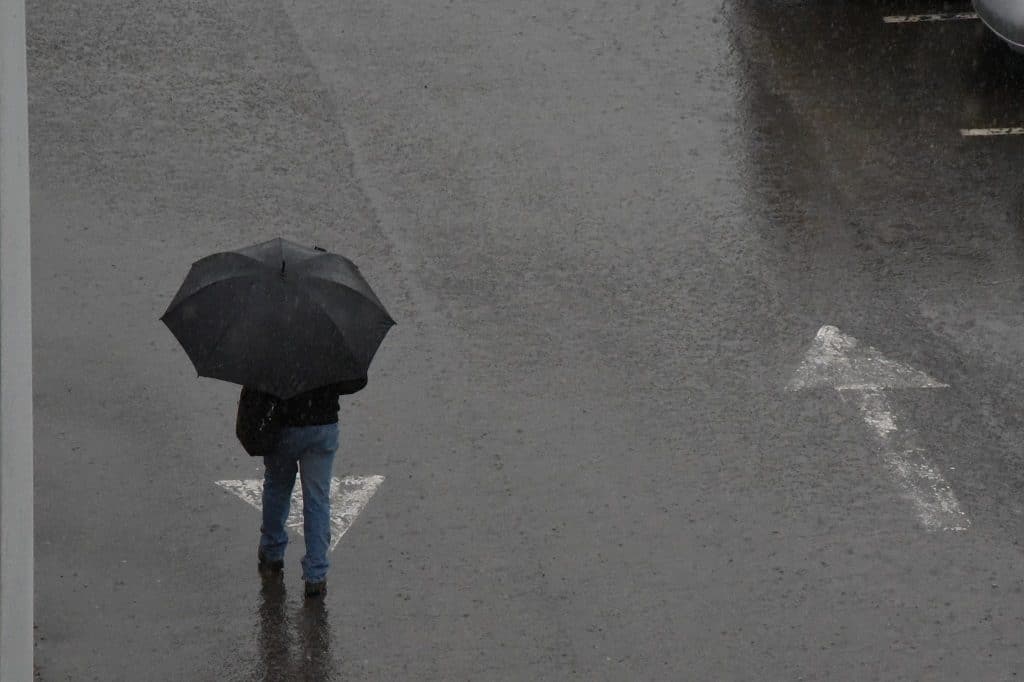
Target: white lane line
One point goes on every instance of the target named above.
(838, 361)
(989, 132)
(348, 498)
(936, 16)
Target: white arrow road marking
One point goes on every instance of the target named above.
(348, 498)
(921, 481)
(838, 361)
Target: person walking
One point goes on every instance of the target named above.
(307, 441)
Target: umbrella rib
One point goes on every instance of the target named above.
(227, 327)
(206, 286)
(220, 339)
(376, 304)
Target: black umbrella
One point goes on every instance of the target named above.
(279, 317)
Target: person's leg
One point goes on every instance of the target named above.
(278, 481)
(316, 462)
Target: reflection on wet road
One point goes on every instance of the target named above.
(877, 211)
(294, 641)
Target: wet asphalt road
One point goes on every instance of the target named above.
(609, 234)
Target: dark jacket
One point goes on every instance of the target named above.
(319, 406)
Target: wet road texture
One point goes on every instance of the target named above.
(612, 235)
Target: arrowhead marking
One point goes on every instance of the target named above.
(348, 498)
(839, 361)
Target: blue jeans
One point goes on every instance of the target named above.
(309, 449)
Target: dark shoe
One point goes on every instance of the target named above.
(272, 588)
(316, 589)
(267, 567)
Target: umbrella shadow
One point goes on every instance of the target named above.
(292, 646)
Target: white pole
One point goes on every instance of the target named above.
(16, 447)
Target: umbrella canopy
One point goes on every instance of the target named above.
(279, 317)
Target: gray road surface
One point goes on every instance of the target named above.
(609, 233)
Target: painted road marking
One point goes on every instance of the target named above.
(936, 16)
(954, 16)
(842, 363)
(987, 132)
(348, 498)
